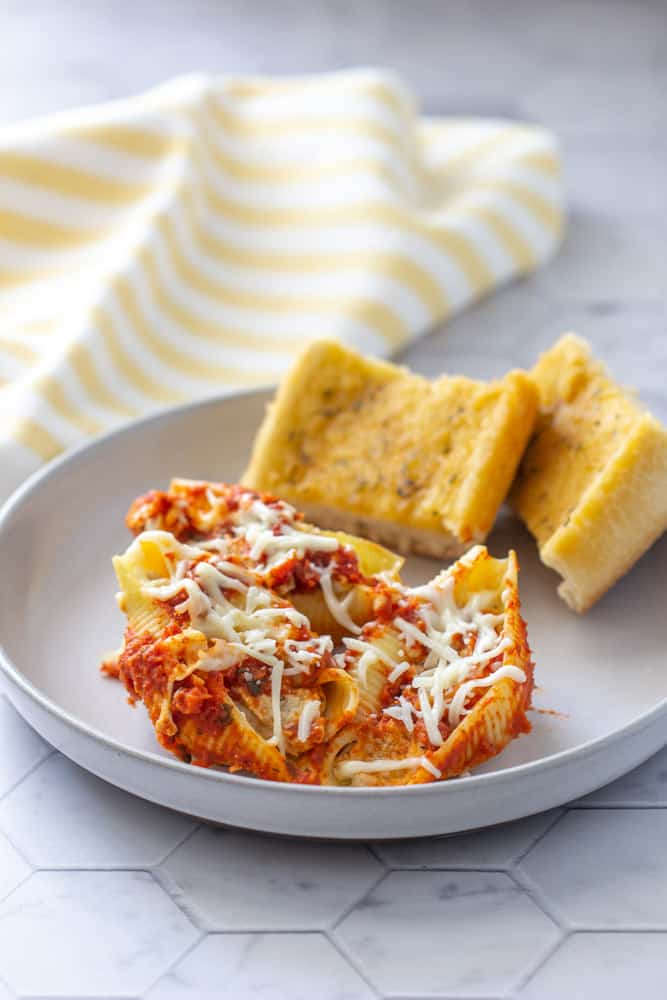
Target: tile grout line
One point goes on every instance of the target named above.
(330, 931)
(163, 880)
(533, 891)
(335, 923)
(566, 935)
(26, 878)
(172, 850)
(26, 774)
(19, 850)
(518, 858)
(546, 957)
(370, 847)
(201, 936)
(340, 949)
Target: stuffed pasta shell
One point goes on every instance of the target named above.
(329, 576)
(444, 677)
(261, 644)
(231, 674)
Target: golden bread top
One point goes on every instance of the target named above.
(585, 418)
(367, 436)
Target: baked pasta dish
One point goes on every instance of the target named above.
(262, 644)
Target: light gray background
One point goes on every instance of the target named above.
(584, 902)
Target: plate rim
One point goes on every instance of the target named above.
(16, 677)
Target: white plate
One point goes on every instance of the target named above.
(604, 672)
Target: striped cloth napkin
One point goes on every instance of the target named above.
(189, 241)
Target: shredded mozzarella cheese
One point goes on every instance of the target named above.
(445, 674)
(398, 671)
(220, 656)
(237, 631)
(276, 685)
(309, 713)
(257, 525)
(338, 608)
(456, 709)
(361, 646)
(302, 654)
(348, 768)
(404, 711)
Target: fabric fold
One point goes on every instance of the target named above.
(191, 240)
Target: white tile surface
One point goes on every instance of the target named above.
(497, 847)
(270, 967)
(613, 966)
(646, 785)
(238, 881)
(89, 933)
(605, 868)
(412, 934)
(65, 817)
(20, 746)
(13, 868)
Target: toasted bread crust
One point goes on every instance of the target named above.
(436, 544)
(593, 483)
(423, 466)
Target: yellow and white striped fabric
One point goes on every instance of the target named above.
(190, 240)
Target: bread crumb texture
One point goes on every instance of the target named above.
(592, 487)
(357, 438)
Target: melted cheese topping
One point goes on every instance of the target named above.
(271, 533)
(404, 711)
(445, 675)
(309, 713)
(337, 608)
(253, 629)
(276, 686)
(398, 671)
(366, 647)
(348, 768)
(228, 604)
(302, 656)
(456, 709)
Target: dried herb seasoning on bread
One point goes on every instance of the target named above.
(367, 447)
(592, 487)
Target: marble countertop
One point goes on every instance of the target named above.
(103, 895)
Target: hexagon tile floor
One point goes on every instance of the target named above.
(103, 895)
